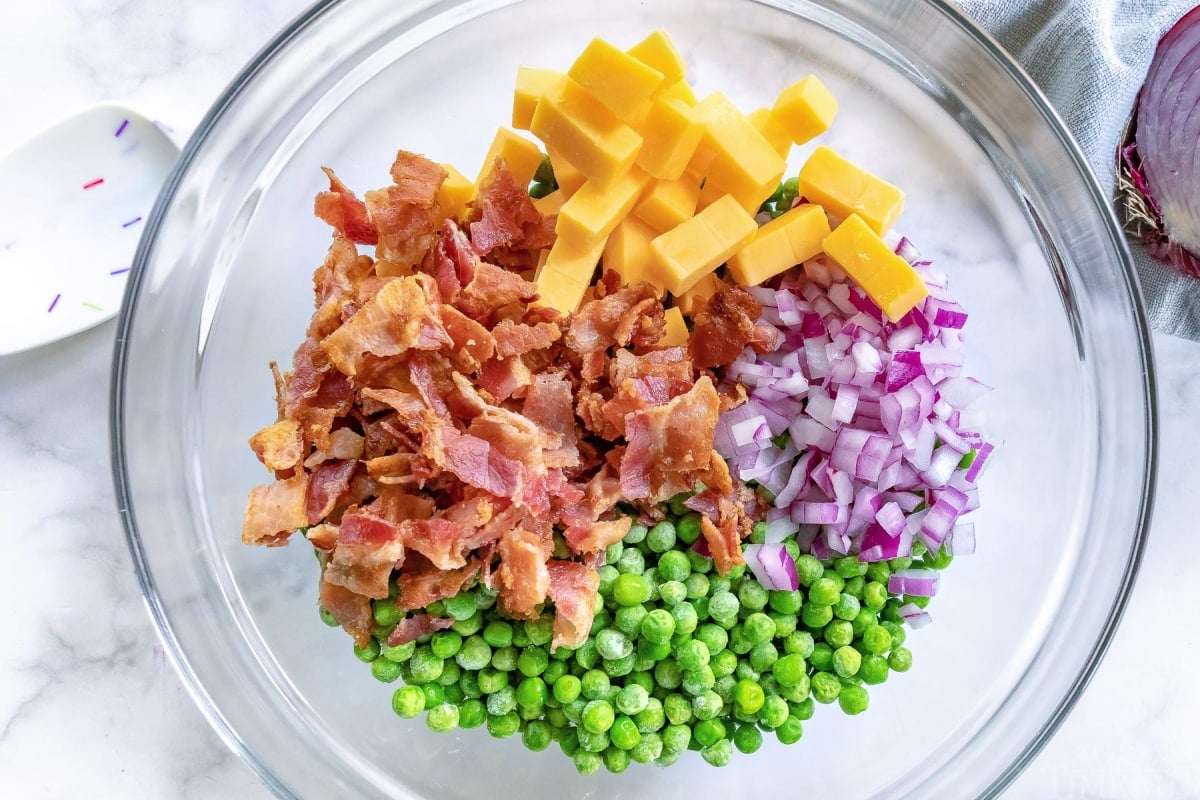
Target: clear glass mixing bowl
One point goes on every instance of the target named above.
(997, 194)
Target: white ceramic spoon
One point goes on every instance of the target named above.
(73, 202)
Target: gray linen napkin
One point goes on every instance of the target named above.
(1090, 58)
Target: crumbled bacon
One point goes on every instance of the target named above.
(436, 430)
(344, 212)
(412, 628)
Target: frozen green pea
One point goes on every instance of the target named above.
(718, 754)
(687, 528)
(900, 659)
(651, 718)
(408, 701)
(763, 656)
(707, 705)
(853, 699)
(661, 537)
(825, 687)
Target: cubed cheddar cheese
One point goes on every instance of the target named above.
(627, 252)
(617, 79)
(789, 239)
(689, 302)
(532, 83)
(454, 194)
(593, 212)
(671, 133)
(733, 155)
(520, 155)
(844, 188)
(675, 332)
(585, 132)
(688, 252)
(566, 176)
(566, 274)
(772, 130)
(551, 203)
(659, 52)
(872, 264)
(679, 90)
(806, 109)
(666, 204)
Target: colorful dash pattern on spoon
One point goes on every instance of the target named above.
(120, 271)
(53, 303)
(92, 306)
(93, 184)
(133, 221)
(120, 130)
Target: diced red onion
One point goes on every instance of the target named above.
(917, 582)
(891, 518)
(915, 616)
(962, 539)
(981, 458)
(778, 567)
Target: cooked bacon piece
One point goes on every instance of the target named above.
(451, 261)
(506, 224)
(439, 540)
(517, 338)
(344, 212)
(417, 178)
(600, 496)
(398, 319)
(368, 549)
(343, 444)
(278, 446)
(314, 394)
(616, 319)
(548, 405)
(670, 362)
(337, 282)
(724, 543)
(326, 487)
(406, 230)
(412, 628)
(352, 611)
(276, 510)
(473, 344)
(670, 446)
(420, 372)
(491, 289)
(323, 536)
(394, 468)
(477, 463)
(471, 512)
(597, 535)
(504, 377)
(521, 579)
(421, 583)
(724, 328)
(395, 504)
(573, 588)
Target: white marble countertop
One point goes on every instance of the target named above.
(89, 705)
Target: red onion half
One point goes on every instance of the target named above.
(1158, 164)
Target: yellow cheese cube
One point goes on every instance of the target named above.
(620, 81)
(679, 90)
(594, 211)
(659, 52)
(585, 132)
(787, 240)
(733, 155)
(520, 155)
(666, 204)
(886, 277)
(772, 130)
(675, 332)
(627, 252)
(454, 194)
(671, 133)
(551, 203)
(688, 252)
(566, 176)
(844, 188)
(690, 301)
(806, 109)
(532, 83)
(566, 274)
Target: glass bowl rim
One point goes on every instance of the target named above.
(311, 15)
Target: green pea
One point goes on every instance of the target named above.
(799, 642)
(874, 669)
(686, 618)
(803, 710)
(839, 633)
(623, 732)
(808, 569)
(469, 626)
(696, 585)
(368, 652)
(904, 562)
(699, 563)
(825, 687)
(718, 753)
(532, 693)
(471, 713)
(700, 604)
(668, 674)
(875, 595)
(825, 592)
(595, 684)
(785, 624)
(632, 562)
(608, 577)
(502, 701)
(600, 621)
(790, 731)
(678, 709)
(587, 762)
(620, 667)
(759, 628)
(398, 653)
(661, 537)
(687, 528)
(469, 683)
(612, 553)
(648, 749)
(628, 620)
(445, 644)
(586, 655)
(425, 665)
(707, 705)
(498, 633)
(709, 732)
(631, 589)
(567, 688)
(676, 737)
(435, 694)
(846, 607)
(505, 659)
(693, 655)
(846, 661)
(876, 639)
(537, 735)
(462, 606)
(714, 637)
(790, 669)
(942, 560)
(878, 572)
(815, 617)
(408, 701)
(598, 716)
(723, 607)
(747, 738)
(442, 717)
(387, 613)
(853, 699)
(753, 596)
(723, 663)
(654, 651)
(615, 760)
(786, 602)
(746, 672)
(451, 672)
(672, 593)
(651, 718)
(492, 680)
(637, 534)
(739, 642)
(673, 565)
(900, 659)
(748, 697)
(612, 644)
(897, 631)
(763, 656)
